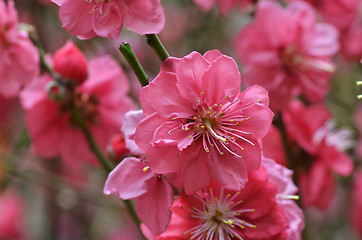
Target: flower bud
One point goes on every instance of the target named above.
(70, 62)
(56, 91)
(117, 147)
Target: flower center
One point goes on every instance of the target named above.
(220, 217)
(290, 58)
(96, 4)
(294, 62)
(218, 126)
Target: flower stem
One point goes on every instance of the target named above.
(98, 153)
(43, 63)
(92, 143)
(154, 42)
(128, 53)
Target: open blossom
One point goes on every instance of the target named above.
(287, 52)
(19, 59)
(319, 154)
(101, 100)
(224, 5)
(89, 18)
(255, 212)
(344, 15)
(199, 125)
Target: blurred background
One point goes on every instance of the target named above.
(40, 199)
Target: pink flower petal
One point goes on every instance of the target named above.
(128, 179)
(221, 79)
(189, 73)
(144, 16)
(154, 207)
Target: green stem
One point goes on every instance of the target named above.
(132, 60)
(35, 39)
(91, 141)
(131, 210)
(154, 42)
(98, 153)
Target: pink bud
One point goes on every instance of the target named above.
(70, 62)
(117, 147)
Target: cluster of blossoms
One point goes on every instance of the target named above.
(294, 58)
(206, 157)
(200, 136)
(97, 88)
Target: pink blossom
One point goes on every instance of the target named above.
(351, 41)
(12, 212)
(345, 15)
(102, 100)
(132, 179)
(356, 207)
(340, 13)
(215, 213)
(224, 5)
(198, 123)
(89, 18)
(287, 52)
(282, 178)
(19, 59)
(320, 152)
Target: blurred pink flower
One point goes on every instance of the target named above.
(273, 146)
(255, 212)
(340, 13)
(102, 100)
(351, 41)
(356, 207)
(19, 58)
(89, 18)
(224, 5)
(287, 52)
(132, 179)
(198, 123)
(11, 217)
(320, 154)
(345, 15)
